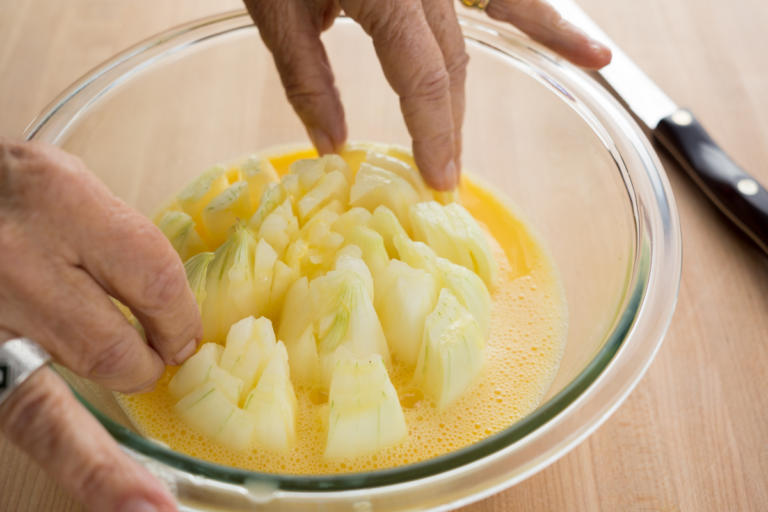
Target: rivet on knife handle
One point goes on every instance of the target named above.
(737, 194)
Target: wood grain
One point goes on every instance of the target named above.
(694, 434)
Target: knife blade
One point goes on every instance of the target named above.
(741, 197)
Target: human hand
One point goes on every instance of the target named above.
(421, 49)
(67, 245)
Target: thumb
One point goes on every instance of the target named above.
(45, 420)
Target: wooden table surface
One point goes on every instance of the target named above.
(694, 434)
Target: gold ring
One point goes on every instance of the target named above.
(475, 4)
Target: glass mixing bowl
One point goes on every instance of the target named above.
(538, 130)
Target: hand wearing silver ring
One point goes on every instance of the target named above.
(66, 246)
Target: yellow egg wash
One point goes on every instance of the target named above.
(522, 354)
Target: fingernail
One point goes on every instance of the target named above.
(450, 175)
(321, 140)
(185, 352)
(600, 49)
(445, 180)
(138, 506)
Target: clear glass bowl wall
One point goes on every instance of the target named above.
(537, 130)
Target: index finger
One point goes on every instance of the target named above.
(414, 66)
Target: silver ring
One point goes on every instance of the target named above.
(19, 358)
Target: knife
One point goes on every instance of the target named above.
(736, 193)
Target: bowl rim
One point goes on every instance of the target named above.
(657, 262)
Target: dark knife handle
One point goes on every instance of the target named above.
(737, 194)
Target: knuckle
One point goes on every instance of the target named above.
(19, 166)
(367, 14)
(106, 362)
(33, 173)
(100, 361)
(153, 271)
(308, 82)
(304, 98)
(14, 154)
(163, 284)
(456, 65)
(432, 85)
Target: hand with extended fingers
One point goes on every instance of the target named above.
(421, 49)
